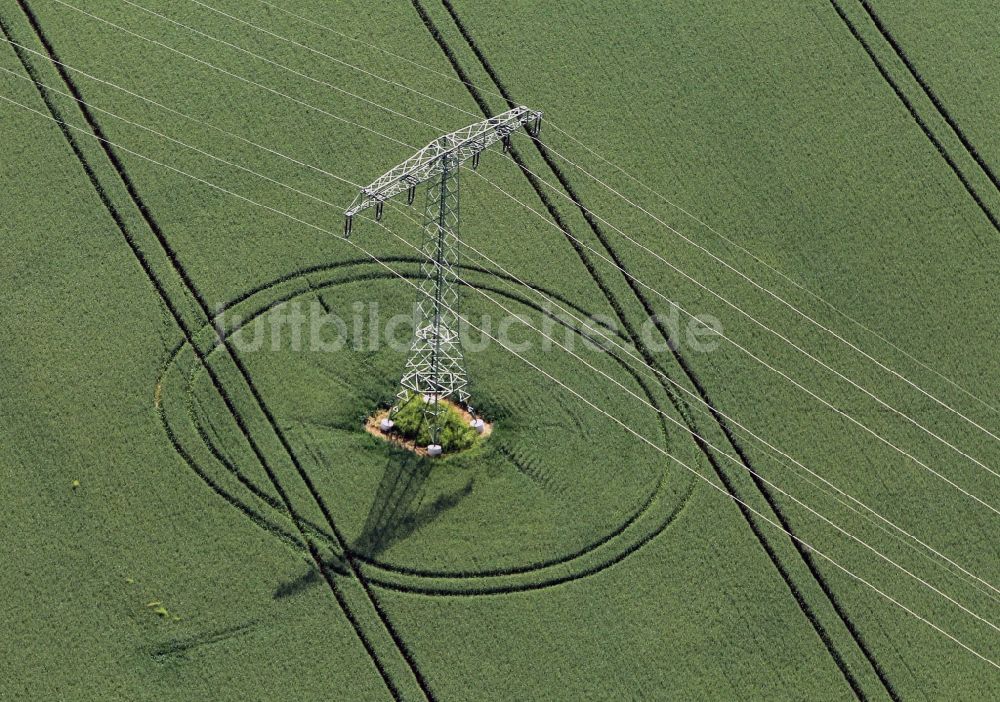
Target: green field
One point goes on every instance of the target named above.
(802, 504)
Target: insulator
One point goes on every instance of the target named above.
(348, 222)
(378, 211)
(506, 143)
(475, 160)
(411, 194)
(536, 127)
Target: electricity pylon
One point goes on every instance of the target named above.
(435, 368)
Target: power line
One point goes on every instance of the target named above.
(662, 198)
(335, 59)
(777, 297)
(610, 339)
(534, 366)
(702, 439)
(625, 272)
(230, 73)
(778, 334)
(679, 271)
(178, 113)
(281, 65)
(170, 138)
(752, 355)
(708, 412)
(771, 268)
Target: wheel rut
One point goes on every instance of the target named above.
(649, 519)
(686, 368)
(396, 683)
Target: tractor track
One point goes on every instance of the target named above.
(316, 289)
(254, 516)
(205, 434)
(915, 115)
(258, 492)
(179, 270)
(930, 93)
(302, 524)
(688, 371)
(268, 499)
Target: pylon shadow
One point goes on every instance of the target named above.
(312, 576)
(401, 505)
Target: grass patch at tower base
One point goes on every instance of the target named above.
(412, 431)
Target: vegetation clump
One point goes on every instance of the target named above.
(411, 423)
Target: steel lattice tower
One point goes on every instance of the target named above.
(435, 368)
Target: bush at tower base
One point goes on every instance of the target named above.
(455, 432)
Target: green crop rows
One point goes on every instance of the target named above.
(804, 507)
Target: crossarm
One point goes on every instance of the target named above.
(456, 147)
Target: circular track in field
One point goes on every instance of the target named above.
(555, 495)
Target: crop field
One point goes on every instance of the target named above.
(732, 317)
